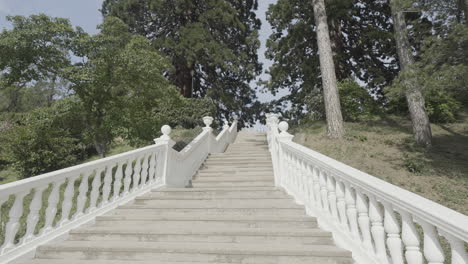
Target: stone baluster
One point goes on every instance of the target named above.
(341, 204)
(332, 197)
(432, 250)
(351, 211)
(82, 196)
(152, 167)
(324, 192)
(316, 188)
(410, 238)
(457, 248)
(287, 165)
(136, 174)
(310, 186)
(144, 171)
(107, 185)
(13, 225)
(118, 180)
(95, 190)
(33, 216)
(363, 220)
(52, 202)
(392, 228)
(377, 229)
(297, 180)
(68, 195)
(128, 177)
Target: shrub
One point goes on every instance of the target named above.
(47, 139)
(356, 103)
(441, 106)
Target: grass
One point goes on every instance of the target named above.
(385, 148)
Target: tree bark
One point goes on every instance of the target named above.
(335, 127)
(414, 97)
(465, 10)
(183, 79)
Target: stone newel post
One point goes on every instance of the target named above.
(167, 169)
(284, 136)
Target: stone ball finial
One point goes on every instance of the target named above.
(226, 123)
(207, 120)
(166, 130)
(236, 117)
(283, 126)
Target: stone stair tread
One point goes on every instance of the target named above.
(197, 248)
(94, 261)
(273, 232)
(209, 218)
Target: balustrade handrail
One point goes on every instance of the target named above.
(449, 220)
(32, 182)
(96, 187)
(360, 209)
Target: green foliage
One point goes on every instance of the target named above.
(441, 106)
(212, 45)
(356, 102)
(362, 41)
(35, 49)
(120, 82)
(46, 139)
(443, 73)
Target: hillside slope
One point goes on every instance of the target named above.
(384, 148)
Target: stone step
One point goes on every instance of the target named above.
(252, 171)
(245, 164)
(232, 178)
(233, 174)
(196, 212)
(240, 158)
(234, 169)
(309, 236)
(126, 221)
(240, 155)
(214, 194)
(195, 252)
(218, 203)
(197, 184)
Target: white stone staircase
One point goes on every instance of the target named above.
(232, 213)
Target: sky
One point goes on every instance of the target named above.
(85, 13)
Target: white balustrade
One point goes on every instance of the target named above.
(374, 219)
(114, 181)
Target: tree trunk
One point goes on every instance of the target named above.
(414, 96)
(465, 10)
(101, 148)
(335, 127)
(183, 79)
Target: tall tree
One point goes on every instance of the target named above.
(119, 73)
(362, 44)
(35, 49)
(212, 43)
(414, 97)
(335, 126)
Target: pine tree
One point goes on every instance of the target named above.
(335, 127)
(212, 43)
(362, 44)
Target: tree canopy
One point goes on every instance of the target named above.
(212, 45)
